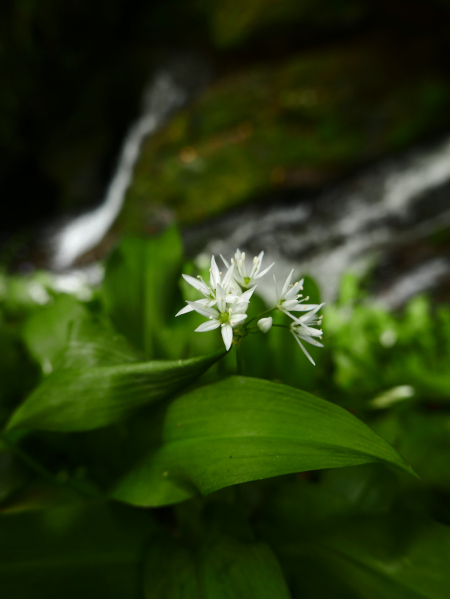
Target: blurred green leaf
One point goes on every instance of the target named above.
(46, 332)
(334, 536)
(394, 557)
(39, 496)
(73, 552)
(18, 374)
(80, 399)
(243, 429)
(142, 296)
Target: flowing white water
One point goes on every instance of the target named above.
(351, 228)
(85, 231)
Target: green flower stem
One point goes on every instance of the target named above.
(239, 359)
(43, 472)
(29, 461)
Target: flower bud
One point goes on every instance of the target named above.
(265, 324)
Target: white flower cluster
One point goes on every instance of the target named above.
(226, 301)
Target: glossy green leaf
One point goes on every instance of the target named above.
(243, 429)
(72, 552)
(94, 342)
(80, 399)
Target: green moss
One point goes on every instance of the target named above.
(294, 124)
(232, 22)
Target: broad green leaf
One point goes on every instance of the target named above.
(46, 332)
(72, 552)
(395, 557)
(242, 429)
(142, 296)
(345, 530)
(18, 374)
(94, 342)
(80, 399)
(218, 565)
(223, 568)
(424, 438)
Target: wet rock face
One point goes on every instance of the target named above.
(299, 123)
(304, 94)
(391, 221)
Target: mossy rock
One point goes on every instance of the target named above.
(235, 22)
(297, 124)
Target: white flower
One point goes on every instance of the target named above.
(265, 324)
(221, 316)
(302, 330)
(209, 292)
(288, 300)
(241, 276)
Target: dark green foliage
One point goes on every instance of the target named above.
(115, 400)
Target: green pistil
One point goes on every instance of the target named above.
(224, 318)
(246, 280)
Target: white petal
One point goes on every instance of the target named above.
(220, 296)
(232, 299)
(235, 288)
(209, 325)
(265, 324)
(287, 283)
(227, 335)
(237, 318)
(288, 305)
(215, 275)
(259, 260)
(239, 308)
(204, 310)
(197, 284)
(227, 264)
(245, 297)
(305, 308)
(228, 277)
(293, 291)
(311, 340)
(264, 272)
(275, 283)
(315, 308)
(304, 350)
(185, 310)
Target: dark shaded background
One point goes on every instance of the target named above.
(72, 74)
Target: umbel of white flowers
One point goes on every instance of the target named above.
(226, 300)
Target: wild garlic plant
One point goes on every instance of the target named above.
(226, 301)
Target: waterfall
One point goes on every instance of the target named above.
(392, 204)
(84, 232)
